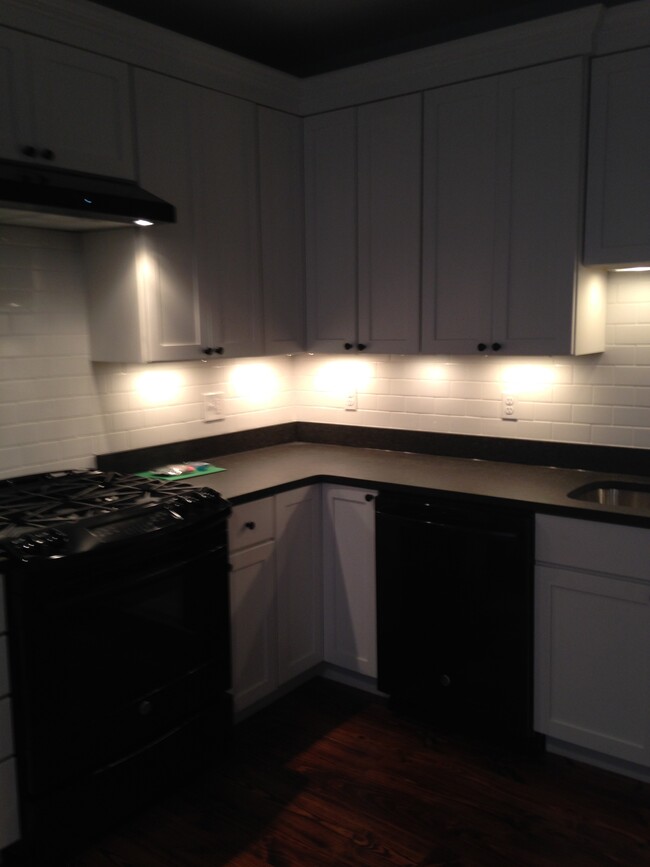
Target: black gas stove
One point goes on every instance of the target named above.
(64, 513)
(119, 645)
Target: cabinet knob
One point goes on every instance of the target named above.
(369, 498)
(219, 350)
(348, 345)
(496, 347)
(481, 347)
(145, 707)
(250, 525)
(47, 154)
(29, 151)
(362, 346)
(445, 680)
(208, 350)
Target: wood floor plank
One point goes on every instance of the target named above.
(332, 777)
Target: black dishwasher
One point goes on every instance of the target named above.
(455, 613)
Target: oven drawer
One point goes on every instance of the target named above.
(251, 524)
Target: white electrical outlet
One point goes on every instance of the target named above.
(508, 407)
(350, 402)
(213, 406)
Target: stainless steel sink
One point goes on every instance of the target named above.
(633, 495)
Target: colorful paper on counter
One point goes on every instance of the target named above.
(201, 470)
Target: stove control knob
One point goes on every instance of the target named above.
(43, 543)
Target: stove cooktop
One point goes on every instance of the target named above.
(59, 501)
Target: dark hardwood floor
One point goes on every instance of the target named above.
(330, 776)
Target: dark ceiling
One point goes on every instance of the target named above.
(306, 37)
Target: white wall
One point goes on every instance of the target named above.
(58, 409)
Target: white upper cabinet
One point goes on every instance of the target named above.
(363, 227)
(502, 215)
(331, 231)
(282, 230)
(618, 180)
(389, 196)
(64, 107)
(189, 289)
(143, 289)
(227, 203)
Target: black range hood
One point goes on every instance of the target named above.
(50, 198)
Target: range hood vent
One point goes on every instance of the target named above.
(48, 198)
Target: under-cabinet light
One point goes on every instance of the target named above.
(159, 386)
(635, 268)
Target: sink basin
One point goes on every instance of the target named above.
(633, 495)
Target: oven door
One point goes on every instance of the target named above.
(115, 648)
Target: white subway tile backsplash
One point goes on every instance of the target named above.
(58, 409)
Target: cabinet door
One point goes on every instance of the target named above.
(165, 113)
(282, 230)
(618, 191)
(502, 211)
(299, 581)
(593, 662)
(227, 204)
(539, 208)
(460, 176)
(349, 579)
(16, 119)
(253, 624)
(82, 110)
(389, 193)
(331, 230)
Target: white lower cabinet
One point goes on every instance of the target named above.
(349, 579)
(593, 636)
(275, 592)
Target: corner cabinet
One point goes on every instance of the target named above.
(618, 188)
(204, 285)
(362, 200)
(349, 579)
(502, 182)
(275, 592)
(64, 107)
(593, 636)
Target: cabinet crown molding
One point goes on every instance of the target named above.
(103, 31)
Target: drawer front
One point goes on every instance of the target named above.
(593, 546)
(251, 524)
(6, 729)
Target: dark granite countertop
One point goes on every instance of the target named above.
(265, 471)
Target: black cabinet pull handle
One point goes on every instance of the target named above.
(369, 498)
(250, 525)
(219, 350)
(29, 151)
(347, 346)
(47, 154)
(362, 346)
(208, 350)
(482, 347)
(496, 347)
